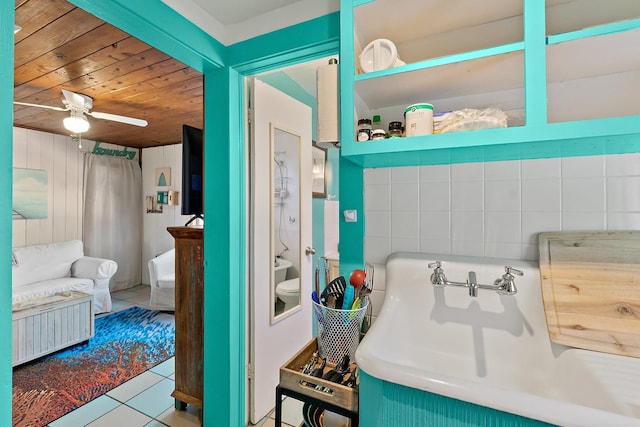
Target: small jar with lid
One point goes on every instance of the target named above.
(395, 129)
(364, 130)
(378, 134)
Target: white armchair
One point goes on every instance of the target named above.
(163, 281)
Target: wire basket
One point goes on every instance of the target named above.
(338, 331)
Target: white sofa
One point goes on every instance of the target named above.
(59, 267)
(163, 281)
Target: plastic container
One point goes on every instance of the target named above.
(364, 130)
(419, 119)
(395, 129)
(378, 134)
(380, 54)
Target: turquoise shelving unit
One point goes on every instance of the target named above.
(522, 67)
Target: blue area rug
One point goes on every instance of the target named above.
(126, 344)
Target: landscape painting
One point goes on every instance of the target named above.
(30, 189)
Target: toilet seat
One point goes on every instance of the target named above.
(291, 286)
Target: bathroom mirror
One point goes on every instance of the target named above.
(285, 222)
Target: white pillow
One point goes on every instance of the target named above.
(42, 262)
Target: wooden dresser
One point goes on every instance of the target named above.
(189, 244)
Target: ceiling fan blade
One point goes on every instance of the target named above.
(77, 101)
(26, 104)
(117, 118)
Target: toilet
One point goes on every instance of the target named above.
(289, 292)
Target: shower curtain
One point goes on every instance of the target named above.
(112, 223)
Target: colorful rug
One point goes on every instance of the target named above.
(125, 344)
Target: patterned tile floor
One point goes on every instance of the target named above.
(145, 401)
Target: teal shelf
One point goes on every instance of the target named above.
(445, 60)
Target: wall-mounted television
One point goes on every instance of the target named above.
(192, 172)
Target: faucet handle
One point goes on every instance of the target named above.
(511, 270)
(436, 264)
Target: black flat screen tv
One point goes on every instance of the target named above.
(192, 172)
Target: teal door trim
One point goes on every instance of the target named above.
(6, 177)
(316, 38)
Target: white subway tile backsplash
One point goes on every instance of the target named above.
(377, 198)
(378, 224)
(467, 247)
(541, 195)
(435, 246)
(405, 197)
(623, 164)
(583, 194)
(405, 174)
(536, 222)
(437, 173)
(435, 196)
(377, 249)
(502, 195)
(405, 224)
(583, 167)
(503, 250)
(623, 194)
(502, 227)
(467, 172)
(575, 221)
(467, 225)
(541, 168)
(508, 170)
(399, 244)
(435, 225)
(377, 176)
(623, 221)
(497, 209)
(530, 252)
(467, 195)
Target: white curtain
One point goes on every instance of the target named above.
(112, 225)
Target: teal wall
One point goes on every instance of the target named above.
(385, 404)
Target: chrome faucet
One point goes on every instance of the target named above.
(473, 285)
(504, 285)
(437, 277)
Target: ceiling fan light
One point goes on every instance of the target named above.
(76, 123)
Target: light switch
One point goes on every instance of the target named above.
(350, 215)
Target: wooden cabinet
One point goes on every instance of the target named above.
(189, 244)
(567, 74)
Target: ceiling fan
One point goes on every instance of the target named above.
(78, 105)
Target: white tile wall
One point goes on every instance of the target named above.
(497, 209)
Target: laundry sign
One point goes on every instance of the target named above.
(113, 152)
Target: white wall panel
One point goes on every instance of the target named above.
(63, 161)
(156, 238)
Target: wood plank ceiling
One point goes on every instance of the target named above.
(61, 46)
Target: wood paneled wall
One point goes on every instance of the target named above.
(63, 161)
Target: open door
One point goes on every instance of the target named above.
(280, 239)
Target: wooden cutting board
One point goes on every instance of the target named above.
(591, 289)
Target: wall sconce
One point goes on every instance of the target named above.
(16, 28)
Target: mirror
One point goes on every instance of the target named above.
(285, 222)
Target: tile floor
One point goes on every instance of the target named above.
(145, 401)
